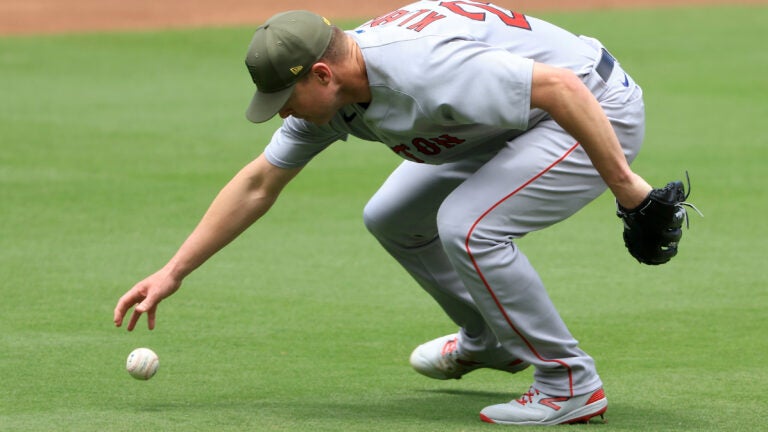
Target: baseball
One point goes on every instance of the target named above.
(142, 363)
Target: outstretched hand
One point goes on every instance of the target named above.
(145, 296)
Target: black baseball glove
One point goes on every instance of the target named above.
(653, 229)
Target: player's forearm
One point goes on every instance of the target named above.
(229, 215)
(583, 118)
(245, 199)
(573, 107)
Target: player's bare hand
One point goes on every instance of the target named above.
(144, 298)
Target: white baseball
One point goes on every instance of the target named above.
(142, 363)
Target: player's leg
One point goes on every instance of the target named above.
(402, 216)
(523, 189)
(542, 178)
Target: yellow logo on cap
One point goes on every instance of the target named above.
(326, 20)
(296, 69)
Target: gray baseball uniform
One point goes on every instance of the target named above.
(451, 86)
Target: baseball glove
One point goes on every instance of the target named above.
(653, 229)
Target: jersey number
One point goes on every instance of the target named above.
(507, 17)
(477, 11)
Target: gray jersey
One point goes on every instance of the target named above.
(421, 108)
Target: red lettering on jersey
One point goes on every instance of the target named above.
(402, 150)
(429, 19)
(413, 15)
(427, 146)
(388, 18)
(447, 141)
(509, 18)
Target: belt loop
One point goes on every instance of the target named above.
(605, 65)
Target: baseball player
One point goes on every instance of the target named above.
(508, 124)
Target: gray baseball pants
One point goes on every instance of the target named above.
(453, 228)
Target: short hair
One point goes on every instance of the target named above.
(336, 52)
(337, 47)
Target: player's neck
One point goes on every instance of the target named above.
(356, 83)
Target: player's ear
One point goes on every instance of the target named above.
(322, 72)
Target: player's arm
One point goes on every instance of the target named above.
(247, 197)
(570, 103)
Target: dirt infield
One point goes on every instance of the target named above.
(66, 16)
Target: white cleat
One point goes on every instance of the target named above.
(537, 408)
(440, 359)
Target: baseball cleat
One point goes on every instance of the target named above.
(537, 408)
(440, 359)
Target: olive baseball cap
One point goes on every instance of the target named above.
(281, 52)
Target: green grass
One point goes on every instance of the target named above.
(112, 146)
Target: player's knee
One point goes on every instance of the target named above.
(463, 232)
(376, 220)
(395, 228)
(384, 223)
(453, 229)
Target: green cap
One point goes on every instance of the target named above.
(281, 52)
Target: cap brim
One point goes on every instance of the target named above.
(264, 106)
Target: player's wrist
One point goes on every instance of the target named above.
(174, 272)
(631, 192)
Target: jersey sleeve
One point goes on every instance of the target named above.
(472, 82)
(296, 142)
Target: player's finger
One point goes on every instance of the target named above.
(134, 319)
(125, 303)
(148, 306)
(151, 317)
(118, 317)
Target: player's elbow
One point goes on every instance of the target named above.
(551, 86)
